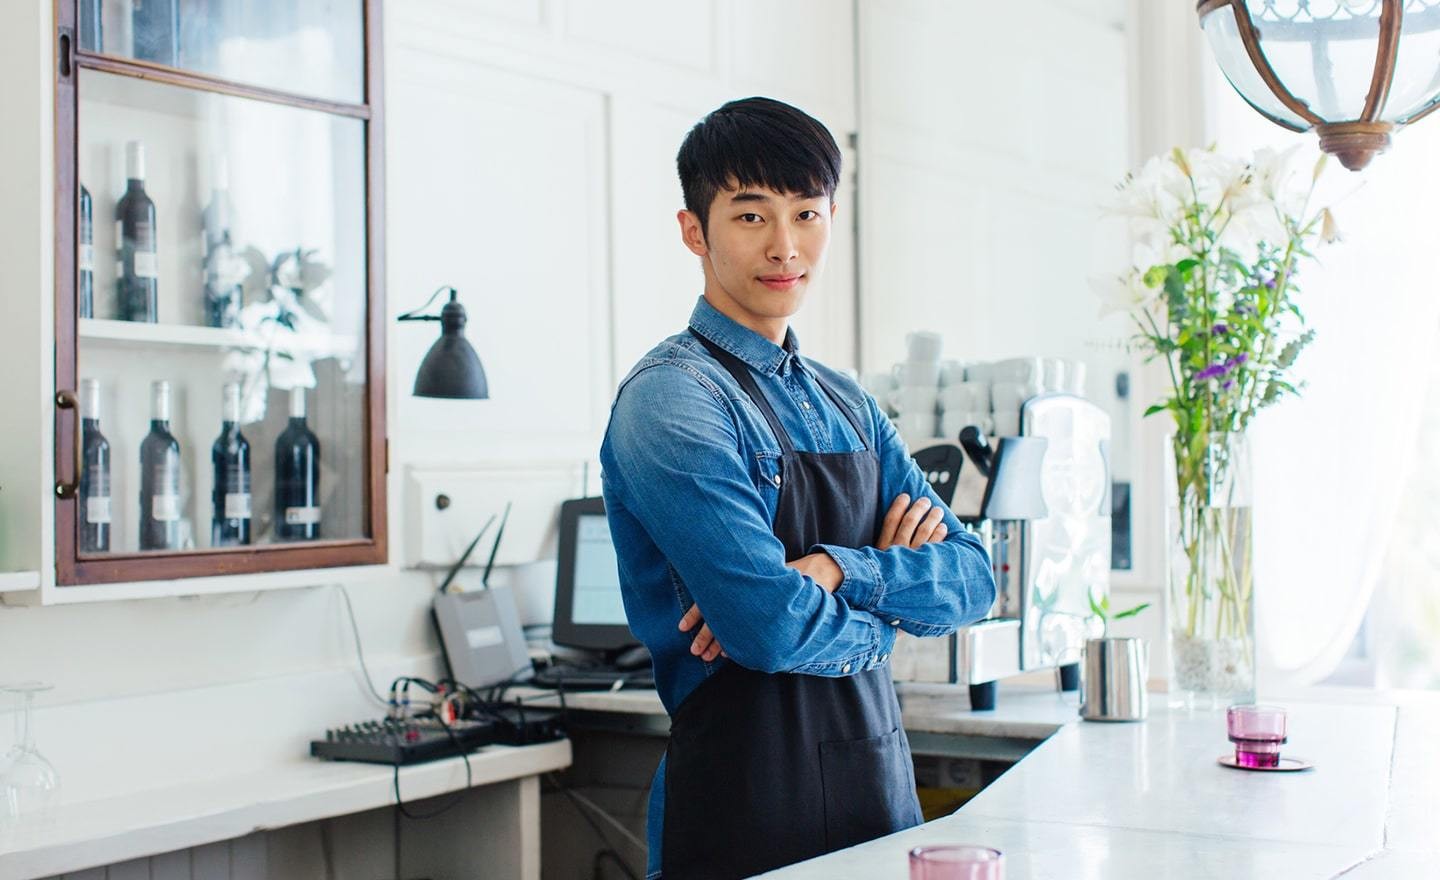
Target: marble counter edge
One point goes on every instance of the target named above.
(111, 830)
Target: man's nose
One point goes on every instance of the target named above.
(782, 244)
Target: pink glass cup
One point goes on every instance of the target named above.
(956, 863)
(1257, 732)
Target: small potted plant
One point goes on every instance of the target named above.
(1114, 671)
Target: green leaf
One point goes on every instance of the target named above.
(1157, 408)
(1101, 609)
(1131, 612)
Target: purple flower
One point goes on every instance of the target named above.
(1229, 383)
(1221, 368)
(1219, 329)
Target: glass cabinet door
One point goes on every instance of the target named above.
(219, 319)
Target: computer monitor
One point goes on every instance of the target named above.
(589, 612)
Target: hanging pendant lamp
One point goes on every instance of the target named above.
(1354, 70)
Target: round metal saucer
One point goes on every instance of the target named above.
(1286, 764)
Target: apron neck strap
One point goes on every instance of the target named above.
(737, 368)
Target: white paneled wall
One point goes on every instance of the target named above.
(990, 135)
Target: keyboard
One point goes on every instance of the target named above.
(573, 678)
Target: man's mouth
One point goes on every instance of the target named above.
(781, 282)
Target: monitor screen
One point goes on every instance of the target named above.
(589, 611)
(597, 574)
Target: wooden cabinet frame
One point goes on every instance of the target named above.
(125, 567)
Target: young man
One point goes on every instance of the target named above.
(769, 550)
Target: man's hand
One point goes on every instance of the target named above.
(704, 646)
(911, 525)
(819, 566)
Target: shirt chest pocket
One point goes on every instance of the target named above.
(768, 473)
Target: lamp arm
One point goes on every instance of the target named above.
(412, 314)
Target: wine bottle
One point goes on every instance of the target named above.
(230, 499)
(223, 291)
(297, 477)
(155, 25)
(159, 477)
(85, 255)
(94, 507)
(136, 265)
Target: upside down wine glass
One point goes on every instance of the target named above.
(29, 785)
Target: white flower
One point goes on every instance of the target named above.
(1123, 293)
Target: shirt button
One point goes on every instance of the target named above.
(845, 669)
(777, 479)
(804, 404)
(883, 658)
(895, 622)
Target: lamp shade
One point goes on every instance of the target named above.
(451, 368)
(1353, 70)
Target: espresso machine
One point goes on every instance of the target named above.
(1040, 504)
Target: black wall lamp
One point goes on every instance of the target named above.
(451, 368)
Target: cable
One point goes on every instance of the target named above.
(359, 651)
(459, 795)
(580, 803)
(614, 857)
(601, 812)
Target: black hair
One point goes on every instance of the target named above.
(756, 142)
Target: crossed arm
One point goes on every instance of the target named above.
(906, 524)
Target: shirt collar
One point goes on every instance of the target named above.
(756, 351)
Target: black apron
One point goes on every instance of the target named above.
(766, 770)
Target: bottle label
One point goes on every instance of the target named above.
(302, 516)
(87, 258)
(97, 509)
(237, 505)
(146, 266)
(165, 508)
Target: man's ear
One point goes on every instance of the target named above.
(833, 205)
(691, 233)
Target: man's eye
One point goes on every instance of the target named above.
(750, 218)
(809, 215)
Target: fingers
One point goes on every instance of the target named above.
(925, 531)
(910, 522)
(691, 617)
(891, 522)
(705, 646)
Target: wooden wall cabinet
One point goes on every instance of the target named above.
(256, 131)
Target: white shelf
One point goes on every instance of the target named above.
(191, 336)
(162, 334)
(16, 581)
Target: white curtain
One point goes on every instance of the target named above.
(1331, 466)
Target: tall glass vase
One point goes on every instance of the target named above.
(1211, 573)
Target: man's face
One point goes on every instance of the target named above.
(762, 250)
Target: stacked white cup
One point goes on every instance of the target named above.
(916, 392)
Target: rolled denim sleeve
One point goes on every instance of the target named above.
(673, 451)
(929, 591)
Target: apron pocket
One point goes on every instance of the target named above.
(868, 788)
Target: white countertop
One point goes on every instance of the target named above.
(109, 830)
(1148, 800)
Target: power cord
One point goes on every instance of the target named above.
(584, 806)
(359, 650)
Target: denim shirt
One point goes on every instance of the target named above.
(691, 475)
